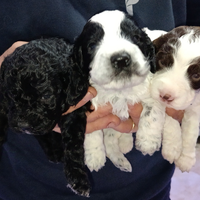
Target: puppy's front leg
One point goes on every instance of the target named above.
(95, 155)
(190, 132)
(149, 134)
(172, 140)
(51, 144)
(73, 133)
(116, 144)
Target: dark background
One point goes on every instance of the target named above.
(193, 12)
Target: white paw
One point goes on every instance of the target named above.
(148, 145)
(171, 152)
(185, 163)
(95, 158)
(120, 162)
(125, 143)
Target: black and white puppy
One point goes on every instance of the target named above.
(119, 56)
(176, 85)
(39, 82)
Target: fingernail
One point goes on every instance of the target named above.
(88, 97)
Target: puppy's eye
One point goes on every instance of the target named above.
(136, 38)
(91, 46)
(194, 72)
(196, 77)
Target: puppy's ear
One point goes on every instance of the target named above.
(77, 75)
(151, 57)
(158, 43)
(77, 56)
(149, 52)
(75, 86)
(171, 36)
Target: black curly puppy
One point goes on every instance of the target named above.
(39, 82)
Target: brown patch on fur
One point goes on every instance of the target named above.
(167, 45)
(196, 32)
(163, 60)
(161, 40)
(180, 31)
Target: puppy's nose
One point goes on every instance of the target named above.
(120, 60)
(167, 97)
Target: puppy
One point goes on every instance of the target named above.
(176, 85)
(39, 82)
(120, 57)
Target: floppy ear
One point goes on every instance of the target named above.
(158, 43)
(75, 83)
(76, 78)
(149, 52)
(151, 57)
(173, 35)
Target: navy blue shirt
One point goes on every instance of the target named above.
(25, 172)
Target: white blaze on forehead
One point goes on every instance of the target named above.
(109, 20)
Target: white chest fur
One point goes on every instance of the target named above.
(120, 99)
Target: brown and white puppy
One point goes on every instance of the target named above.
(176, 84)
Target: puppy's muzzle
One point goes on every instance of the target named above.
(120, 60)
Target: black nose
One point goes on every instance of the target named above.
(120, 60)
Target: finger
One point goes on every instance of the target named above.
(176, 114)
(90, 95)
(135, 110)
(127, 126)
(102, 123)
(57, 129)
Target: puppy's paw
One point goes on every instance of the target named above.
(95, 158)
(125, 143)
(171, 152)
(147, 145)
(80, 186)
(120, 162)
(185, 163)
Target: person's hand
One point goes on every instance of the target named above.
(103, 118)
(11, 50)
(135, 111)
(176, 114)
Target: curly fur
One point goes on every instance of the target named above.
(39, 82)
